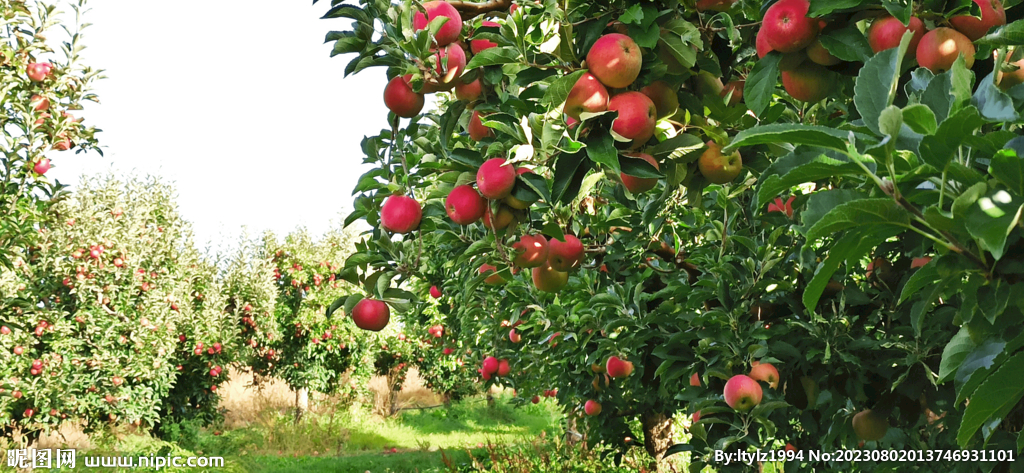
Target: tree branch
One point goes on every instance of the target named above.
(475, 9)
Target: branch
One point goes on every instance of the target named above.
(475, 9)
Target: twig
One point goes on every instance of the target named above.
(476, 9)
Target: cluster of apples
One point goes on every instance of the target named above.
(492, 366)
(615, 367)
(743, 392)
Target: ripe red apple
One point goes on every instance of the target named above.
(767, 373)
(468, 92)
(447, 351)
(618, 368)
(38, 71)
(536, 399)
(493, 279)
(30, 412)
(117, 380)
(886, 33)
(503, 367)
(940, 47)
(371, 314)
(735, 87)
(5, 330)
(400, 214)
(718, 168)
(992, 15)
(587, 95)
(870, 426)
(39, 103)
(490, 365)
(496, 178)
(465, 205)
(451, 61)
(401, 99)
(786, 26)
(18, 350)
(637, 116)
(476, 129)
(790, 447)
(592, 407)
(531, 251)
(565, 255)
(549, 280)
(666, 102)
(819, 55)
(808, 82)
(742, 392)
(42, 166)
(615, 59)
(514, 337)
(714, 5)
(696, 417)
(435, 292)
(478, 45)
(694, 380)
(638, 185)
(449, 32)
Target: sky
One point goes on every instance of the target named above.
(237, 103)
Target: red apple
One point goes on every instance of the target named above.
(4, 330)
(490, 365)
(451, 61)
(1009, 79)
(565, 255)
(400, 214)
(549, 280)
(666, 102)
(718, 168)
(503, 367)
(531, 251)
(786, 26)
(514, 337)
(465, 205)
(476, 129)
(493, 279)
(371, 314)
(742, 392)
(767, 373)
(449, 32)
(468, 92)
(536, 399)
(735, 87)
(587, 95)
(615, 59)
(478, 45)
(18, 350)
(637, 116)
(638, 185)
(496, 178)
(42, 166)
(808, 82)
(886, 33)
(38, 71)
(400, 98)
(992, 15)
(694, 380)
(592, 407)
(502, 219)
(696, 417)
(819, 55)
(869, 425)
(435, 292)
(618, 368)
(39, 103)
(940, 47)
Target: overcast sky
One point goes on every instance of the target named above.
(236, 102)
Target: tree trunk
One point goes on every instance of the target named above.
(301, 402)
(657, 433)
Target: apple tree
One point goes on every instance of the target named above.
(783, 222)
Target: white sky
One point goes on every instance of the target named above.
(236, 102)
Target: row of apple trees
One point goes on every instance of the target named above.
(870, 250)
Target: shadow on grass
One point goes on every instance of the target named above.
(422, 462)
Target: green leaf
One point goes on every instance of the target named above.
(493, 56)
(993, 298)
(994, 104)
(680, 146)
(938, 94)
(1008, 169)
(681, 51)
(962, 82)
(632, 15)
(890, 121)
(811, 135)
(876, 83)
(469, 157)
(798, 168)
(918, 311)
(901, 9)
(337, 304)
(760, 85)
(347, 11)
(559, 89)
(824, 7)
(938, 149)
(849, 247)
(921, 119)
(848, 44)
(975, 367)
(601, 150)
(1005, 35)
(822, 202)
(997, 394)
(992, 218)
(638, 167)
(678, 448)
(537, 183)
(569, 172)
(879, 211)
(954, 354)
(351, 302)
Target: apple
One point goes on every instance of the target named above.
(400, 214)
(615, 59)
(588, 94)
(920, 262)
(637, 116)
(1008, 79)
(808, 82)
(696, 417)
(565, 255)
(371, 314)
(790, 447)
(503, 218)
(468, 92)
(490, 365)
(465, 205)
(714, 5)
(886, 33)
(42, 166)
(592, 407)
(18, 350)
(717, 168)
(503, 367)
(514, 337)
(618, 368)
(536, 399)
(513, 202)
(476, 129)
(666, 102)
(451, 61)
(549, 280)
(39, 103)
(30, 412)
(401, 99)
(940, 47)
(531, 251)
(870, 426)
(734, 87)
(478, 45)
(435, 292)
(786, 26)
(493, 279)
(5, 330)
(992, 15)
(448, 351)
(496, 178)
(819, 55)
(117, 380)
(449, 32)
(767, 373)
(638, 185)
(38, 71)
(742, 393)
(694, 380)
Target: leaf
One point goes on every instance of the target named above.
(993, 299)
(469, 157)
(798, 168)
(876, 83)
(681, 51)
(938, 95)
(559, 89)
(997, 394)
(632, 15)
(567, 167)
(537, 183)
(347, 11)
(493, 56)
(677, 147)
(938, 149)
(824, 7)
(345, 42)
(850, 246)
(601, 150)
(1005, 35)
(922, 278)
(1008, 168)
(994, 104)
(981, 358)
(678, 448)
(811, 135)
(955, 353)
(878, 211)
(992, 218)
(920, 118)
(890, 121)
(760, 85)
(848, 44)
(822, 202)
(922, 307)
(351, 302)
(638, 168)
(337, 304)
